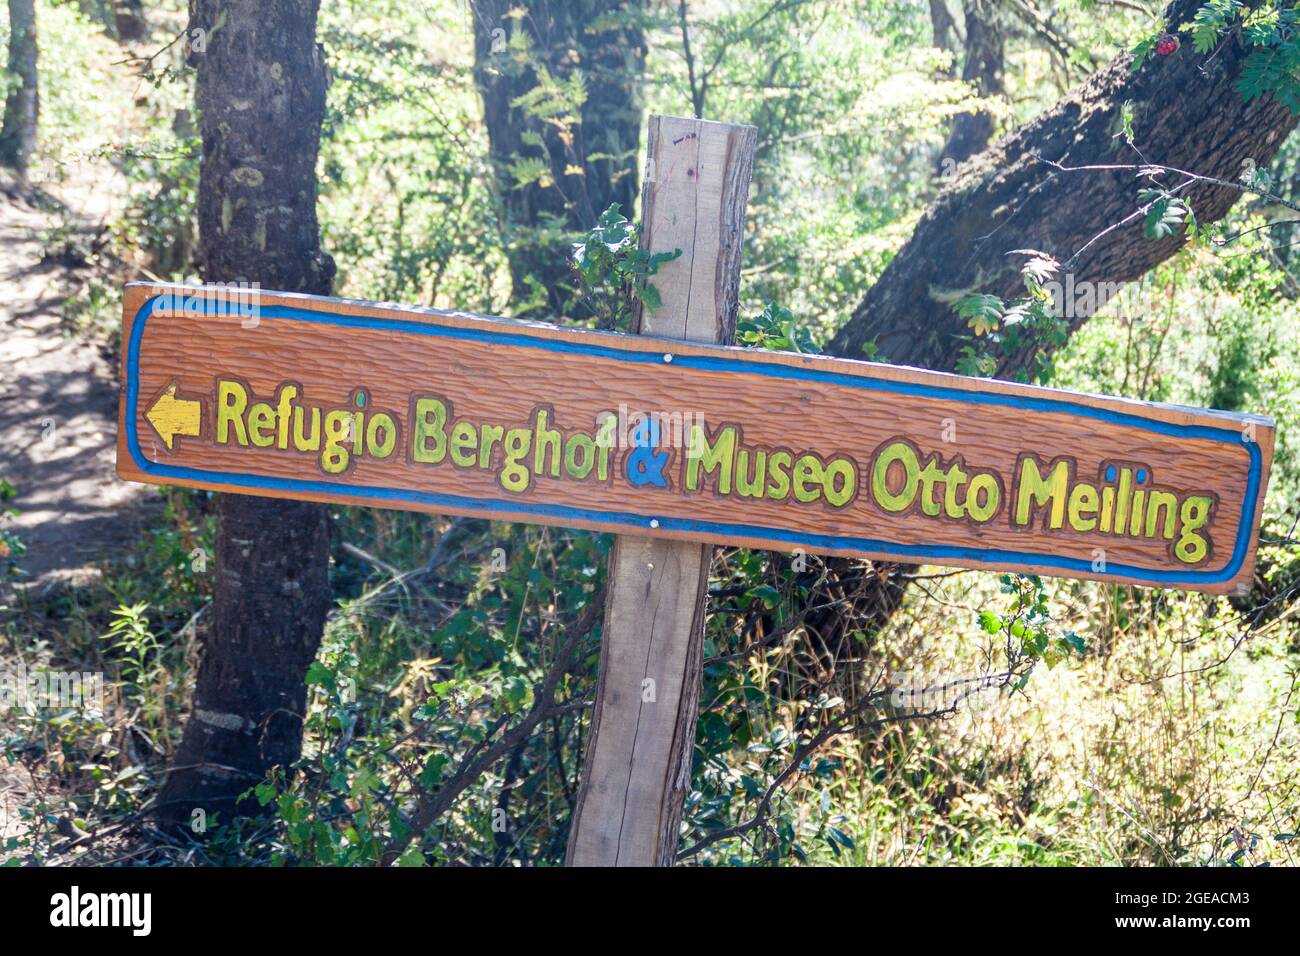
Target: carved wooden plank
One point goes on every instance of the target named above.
(638, 759)
(1085, 486)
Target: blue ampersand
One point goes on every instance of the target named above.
(644, 465)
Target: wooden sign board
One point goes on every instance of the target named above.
(359, 403)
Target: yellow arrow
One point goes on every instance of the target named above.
(171, 416)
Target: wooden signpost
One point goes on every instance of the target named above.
(374, 405)
(676, 446)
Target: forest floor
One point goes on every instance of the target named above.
(58, 395)
(58, 408)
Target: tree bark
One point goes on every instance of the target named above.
(261, 98)
(1187, 113)
(982, 69)
(590, 155)
(22, 105)
(129, 20)
(944, 29)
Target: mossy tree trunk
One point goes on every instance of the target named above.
(261, 97)
(22, 105)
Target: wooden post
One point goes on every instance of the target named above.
(638, 760)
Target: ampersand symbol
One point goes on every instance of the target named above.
(644, 465)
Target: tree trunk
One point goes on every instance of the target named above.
(587, 152)
(129, 20)
(1187, 113)
(944, 29)
(261, 97)
(971, 132)
(22, 105)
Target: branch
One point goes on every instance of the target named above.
(847, 723)
(431, 805)
(1158, 169)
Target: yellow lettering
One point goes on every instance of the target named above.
(232, 399)
(429, 425)
(718, 457)
(1083, 507)
(902, 453)
(1033, 490)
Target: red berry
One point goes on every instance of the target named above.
(1167, 45)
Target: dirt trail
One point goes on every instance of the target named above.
(58, 410)
(58, 393)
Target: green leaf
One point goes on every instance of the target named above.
(659, 258)
(976, 364)
(1272, 70)
(1142, 52)
(981, 312)
(412, 857)
(527, 171)
(1075, 643)
(515, 692)
(837, 835)
(320, 675)
(1164, 218)
(1211, 20)
(1038, 268)
(431, 775)
(650, 297)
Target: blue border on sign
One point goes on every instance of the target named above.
(639, 522)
